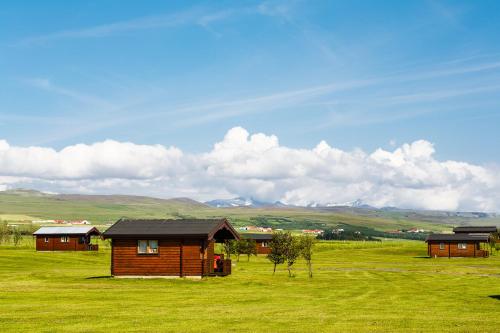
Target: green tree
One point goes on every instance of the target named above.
(246, 247)
(250, 248)
(497, 248)
(229, 247)
(17, 236)
(293, 250)
(277, 248)
(4, 233)
(307, 246)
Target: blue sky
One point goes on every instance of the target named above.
(357, 74)
(184, 73)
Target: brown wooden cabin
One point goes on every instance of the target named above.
(478, 230)
(261, 241)
(164, 248)
(66, 238)
(457, 245)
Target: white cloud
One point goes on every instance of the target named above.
(257, 166)
(188, 17)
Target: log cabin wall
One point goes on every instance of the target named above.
(175, 257)
(209, 252)
(451, 249)
(192, 255)
(468, 252)
(261, 249)
(55, 244)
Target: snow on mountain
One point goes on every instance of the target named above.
(249, 202)
(354, 204)
(236, 202)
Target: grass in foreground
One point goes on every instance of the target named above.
(357, 287)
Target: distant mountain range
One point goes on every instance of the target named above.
(250, 202)
(111, 207)
(356, 205)
(242, 202)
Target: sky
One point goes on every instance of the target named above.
(395, 103)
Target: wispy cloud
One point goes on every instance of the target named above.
(391, 108)
(429, 96)
(47, 85)
(301, 96)
(347, 106)
(451, 15)
(197, 16)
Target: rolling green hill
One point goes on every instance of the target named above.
(25, 205)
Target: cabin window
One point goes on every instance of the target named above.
(46, 239)
(64, 239)
(462, 246)
(441, 246)
(265, 244)
(147, 247)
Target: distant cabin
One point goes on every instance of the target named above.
(457, 245)
(478, 230)
(66, 238)
(169, 248)
(262, 242)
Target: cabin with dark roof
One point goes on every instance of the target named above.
(458, 245)
(477, 230)
(261, 242)
(169, 248)
(66, 238)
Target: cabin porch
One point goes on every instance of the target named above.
(217, 267)
(87, 240)
(92, 247)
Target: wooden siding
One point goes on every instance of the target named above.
(176, 257)
(262, 249)
(209, 256)
(451, 249)
(55, 244)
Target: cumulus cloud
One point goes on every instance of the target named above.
(257, 166)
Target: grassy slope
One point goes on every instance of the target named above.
(107, 209)
(357, 287)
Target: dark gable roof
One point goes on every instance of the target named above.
(192, 228)
(457, 237)
(479, 229)
(257, 236)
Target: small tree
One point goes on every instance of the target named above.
(4, 233)
(250, 248)
(17, 237)
(229, 248)
(493, 243)
(277, 250)
(292, 251)
(239, 249)
(307, 245)
(247, 247)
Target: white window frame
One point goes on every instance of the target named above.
(462, 246)
(442, 246)
(151, 247)
(64, 239)
(265, 244)
(46, 239)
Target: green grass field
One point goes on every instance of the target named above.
(357, 287)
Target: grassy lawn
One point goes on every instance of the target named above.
(357, 287)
